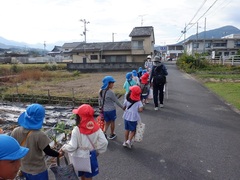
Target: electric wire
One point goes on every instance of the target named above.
(192, 24)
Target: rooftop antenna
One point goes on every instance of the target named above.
(142, 18)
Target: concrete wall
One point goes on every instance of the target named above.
(103, 67)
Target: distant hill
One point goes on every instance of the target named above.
(8, 44)
(217, 33)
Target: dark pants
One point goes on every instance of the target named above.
(158, 94)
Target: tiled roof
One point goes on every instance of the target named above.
(105, 46)
(141, 31)
(70, 45)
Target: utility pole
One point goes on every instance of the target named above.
(85, 29)
(184, 33)
(197, 38)
(44, 47)
(204, 40)
(113, 36)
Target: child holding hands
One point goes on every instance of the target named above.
(132, 105)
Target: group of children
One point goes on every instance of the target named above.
(136, 88)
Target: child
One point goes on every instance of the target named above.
(135, 77)
(132, 105)
(85, 135)
(140, 72)
(33, 165)
(129, 82)
(145, 86)
(10, 156)
(107, 98)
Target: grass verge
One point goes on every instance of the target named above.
(228, 91)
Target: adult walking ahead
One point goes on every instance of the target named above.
(158, 79)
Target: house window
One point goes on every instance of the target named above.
(219, 44)
(137, 44)
(226, 53)
(207, 45)
(237, 43)
(171, 48)
(179, 48)
(196, 45)
(94, 57)
(115, 59)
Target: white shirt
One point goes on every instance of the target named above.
(82, 142)
(132, 113)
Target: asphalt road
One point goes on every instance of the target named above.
(196, 136)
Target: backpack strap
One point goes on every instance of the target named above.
(131, 105)
(129, 83)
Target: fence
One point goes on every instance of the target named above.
(233, 60)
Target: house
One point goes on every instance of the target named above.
(225, 46)
(174, 51)
(57, 51)
(136, 50)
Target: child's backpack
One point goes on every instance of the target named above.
(159, 78)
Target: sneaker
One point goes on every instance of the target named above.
(112, 136)
(161, 106)
(124, 144)
(147, 102)
(128, 143)
(156, 108)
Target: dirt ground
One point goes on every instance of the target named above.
(88, 85)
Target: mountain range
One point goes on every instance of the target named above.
(215, 33)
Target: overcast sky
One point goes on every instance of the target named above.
(36, 21)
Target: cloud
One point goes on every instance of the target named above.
(36, 21)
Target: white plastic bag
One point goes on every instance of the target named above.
(150, 96)
(81, 160)
(139, 132)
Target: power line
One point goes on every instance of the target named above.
(221, 6)
(203, 14)
(185, 30)
(196, 12)
(190, 22)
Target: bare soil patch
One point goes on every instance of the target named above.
(88, 84)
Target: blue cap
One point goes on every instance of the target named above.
(144, 71)
(134, 73)
(129, 76)
(33, 117)
(10, 148)
(106, 80)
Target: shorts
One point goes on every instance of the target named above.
(130, 125)
(39, 176)
(94, 166)
(110, 115)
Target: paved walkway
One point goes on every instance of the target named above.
(195, 136)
